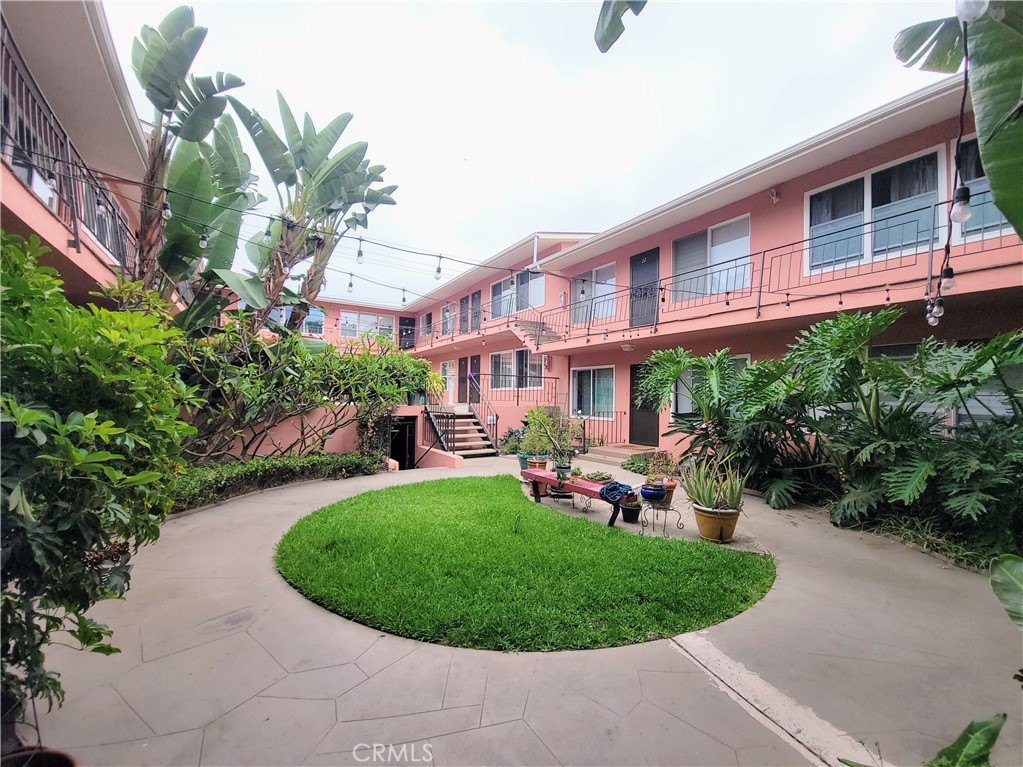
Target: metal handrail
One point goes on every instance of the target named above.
(483, 409)
(502, 312)
(606, 427)
(539, 390)
(442, 419)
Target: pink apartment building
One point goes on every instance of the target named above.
(855, 218)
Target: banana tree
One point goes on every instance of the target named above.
(322, 197)
(995, 42)
(186, 109)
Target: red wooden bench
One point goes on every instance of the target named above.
(578, 485)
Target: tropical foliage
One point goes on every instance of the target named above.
(869, 434)
(90, 439)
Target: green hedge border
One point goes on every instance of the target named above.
(203, 485)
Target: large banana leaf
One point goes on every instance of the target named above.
(248, 288)
(345, 161)
(317, 149)
(161, 64)
(937, 46)
(996, 79)
(190, 186)
(230, 165)
(1007, 583)
(225, 228)
(178, 255)
(973, 746)
(291, 131)
(275, 154)
(258, 253)
(609, 23)
(199, 105)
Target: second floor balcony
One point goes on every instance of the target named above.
(895, 252)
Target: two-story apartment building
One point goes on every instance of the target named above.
(66, 109)
(855, 218)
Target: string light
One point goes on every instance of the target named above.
(403, 296)
(204, 239)
(165, 211)
(351, 287)
(840, 301)
(51, 180)
(788, 304)
(938, 307)
(436, 275)
(948, 280)
(267, 236)
(887, 296)
(359, 258)
(961, 210)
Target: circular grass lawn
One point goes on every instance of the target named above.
(473, 562)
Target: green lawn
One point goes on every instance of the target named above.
(442, 562)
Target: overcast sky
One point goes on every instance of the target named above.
(496, 120)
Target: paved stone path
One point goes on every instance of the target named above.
(223, 663)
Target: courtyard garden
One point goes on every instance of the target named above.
(472, 562)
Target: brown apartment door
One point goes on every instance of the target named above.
(643, 421)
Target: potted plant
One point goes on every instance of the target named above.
(715, 488)
(536, 444)
(663, 466)
(653, 490)
(576, 472)
(558, 490)
(630, 506)
(603, 477)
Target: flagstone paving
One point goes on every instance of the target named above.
(223, 663)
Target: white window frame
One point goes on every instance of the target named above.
(447, 318)
(359, 329)
(450, 379)
(590, 275)
(707, 242)
(516, 374)
(958, 230)
(868, 239)
(573, 404)
(421, 324)
(674, 389)
(323, 321)
(531, 277)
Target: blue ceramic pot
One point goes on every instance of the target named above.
(655, 491)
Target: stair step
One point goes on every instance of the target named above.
(475, 453)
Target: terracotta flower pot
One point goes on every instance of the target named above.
(669, 486)
(717, 525)
(536, 461)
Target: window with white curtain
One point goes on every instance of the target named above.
(593, 295)
(519, 369)
(524, 290)
(716, 260)
(593, 392)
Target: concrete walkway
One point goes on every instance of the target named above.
(223, 663)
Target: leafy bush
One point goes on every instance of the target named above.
(638, 463)
(202, 485)
(90, 437)
(511, 441)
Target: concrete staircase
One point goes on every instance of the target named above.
(535, 331)
(471, 440)
(613, 456)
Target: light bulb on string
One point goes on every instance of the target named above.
(887, 296)
(961, 210)
(436, 274)
(932, 320)
(204, 239)
(165, 211)
(788, 304)
(51, 180)
(403, 296)
(969, 11)
(267, 236)
(351, 287)
(938, 308)
(359, 258)
(100, 210)
(948, 279)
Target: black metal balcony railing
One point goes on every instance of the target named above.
(906, 237)
(38, 150)
(603, 428)
(499, 313)
(515, 389)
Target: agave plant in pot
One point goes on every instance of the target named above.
(715, 488)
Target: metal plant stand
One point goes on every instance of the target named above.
(654, 512)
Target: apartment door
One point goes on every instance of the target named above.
(643, 421)
(475, 310)
(463, 314)
(643, 273)
(403, 441)
(407, 332)
(463, 379)
(474, 371)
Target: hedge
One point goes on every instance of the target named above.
(202, 485)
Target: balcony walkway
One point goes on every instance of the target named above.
(223, 663)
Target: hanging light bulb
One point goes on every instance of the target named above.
(204, 239)
(511, 280)
(948, 279)
(969, 11)
(403, 296)
(662, 294)
(165, 211)
(938, 308)
(788, 304)
(51, 180)
(932, 320)
(359, 258)
(436, 274)
(840, 301)
(961, 210)
(887, 296)
(582, 290)
(727, 301)
(351, 287)
(99, 206)
(267, 236)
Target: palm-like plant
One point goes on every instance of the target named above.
(186, 109)
(318, 194)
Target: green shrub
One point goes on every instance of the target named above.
(637, 463)
(202, 485)
(511, 441)
(90, 437)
